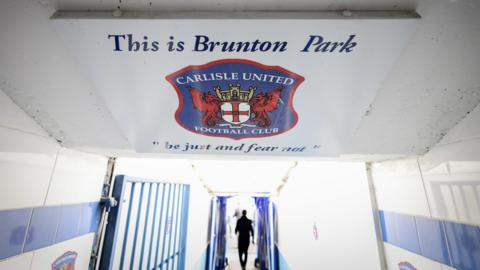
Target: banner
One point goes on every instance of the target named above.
(274, 84)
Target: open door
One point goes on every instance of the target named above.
(148, 229)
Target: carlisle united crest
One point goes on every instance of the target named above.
(236, 98)
(65, 262)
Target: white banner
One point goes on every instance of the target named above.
(266, 85)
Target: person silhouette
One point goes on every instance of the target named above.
(244, 228)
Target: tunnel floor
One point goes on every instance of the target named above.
(232, 255)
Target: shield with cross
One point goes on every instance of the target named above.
(235, 98)
(235, 112)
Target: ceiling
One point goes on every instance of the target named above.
(232, 177)
(432, 87)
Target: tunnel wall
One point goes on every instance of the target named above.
(429, 206)
(48, 195)
(325, 218)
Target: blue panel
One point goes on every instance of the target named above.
(69, 222)
(157, 249)
(387, 222)
(90, 217)
(127, 225)
(170, 224)
(95, 222)
(165, 227)
(407, 233)
(432, 240)
(13, 227)
(184, 224)
(177, 225)
(154, 219)
(137, 224)
(464, 244)
(146, 223)
(42, 229)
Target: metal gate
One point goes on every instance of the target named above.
(148, 229)
(217, 248)
(267, 254)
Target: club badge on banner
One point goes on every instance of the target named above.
(236, 98)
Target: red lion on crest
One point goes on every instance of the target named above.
(263, 103)
(259, 105)
(207, 103)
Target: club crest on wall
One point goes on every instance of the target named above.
(235, 98)
(66, 261)
(406, 266)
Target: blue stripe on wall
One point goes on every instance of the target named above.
(432, 240)
(464, 245)
(43, 227)
(28, 229)
(13, 227)
(70, 214)
(449, 243)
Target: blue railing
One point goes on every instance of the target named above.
(217, 249)
(265, 234)
(148, 229)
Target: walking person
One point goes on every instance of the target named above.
(244, 229)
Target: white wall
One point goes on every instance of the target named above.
(394, 182)
(451, 172)
(334, 196)
(449, 191)
(443, 185)
(462, 143)
(176, 171)
(400, 189)
(37, 172)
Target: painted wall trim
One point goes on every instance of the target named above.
(450, 243)
(28, 229)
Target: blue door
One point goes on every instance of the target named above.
(148, 228)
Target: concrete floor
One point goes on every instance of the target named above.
(232, 255)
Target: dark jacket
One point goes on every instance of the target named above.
(244, 228)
